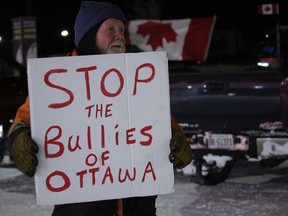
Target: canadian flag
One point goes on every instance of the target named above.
(183, 39)
(268, 9)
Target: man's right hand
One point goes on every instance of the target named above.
(23, 149)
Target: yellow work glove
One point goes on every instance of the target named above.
(23, 149)
(181, 153)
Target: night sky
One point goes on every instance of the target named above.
(54, 15)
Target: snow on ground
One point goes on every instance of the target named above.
(16, 204)
(24, 203)
(188, 198)
(19, 204)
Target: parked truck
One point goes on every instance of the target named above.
(231, 114)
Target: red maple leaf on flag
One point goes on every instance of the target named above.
(267, 8)
(157, 32)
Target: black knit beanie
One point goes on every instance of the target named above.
(87, 45)
(91, 14)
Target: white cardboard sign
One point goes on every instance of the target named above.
(102, 123)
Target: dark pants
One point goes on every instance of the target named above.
(134, 206)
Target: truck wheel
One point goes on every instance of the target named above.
(210, 174)
(272, 162)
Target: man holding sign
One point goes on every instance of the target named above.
(99, 29)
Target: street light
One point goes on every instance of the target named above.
(64, 33)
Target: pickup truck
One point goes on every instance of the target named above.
(230, 114)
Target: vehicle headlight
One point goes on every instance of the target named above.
(1, 131)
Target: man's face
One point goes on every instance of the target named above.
(110, 37)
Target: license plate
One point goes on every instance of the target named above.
(220, 141)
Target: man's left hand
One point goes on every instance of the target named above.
(181, 153)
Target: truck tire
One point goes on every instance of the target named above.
(210, 174)
(272, 162)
